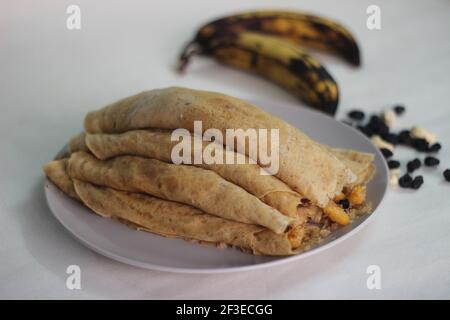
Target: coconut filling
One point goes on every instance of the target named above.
(315, 223)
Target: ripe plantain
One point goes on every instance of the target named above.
(303, 29)
(280, 61)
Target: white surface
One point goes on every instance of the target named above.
(142, 249)
(50, 77)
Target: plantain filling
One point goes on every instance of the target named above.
(315, 224)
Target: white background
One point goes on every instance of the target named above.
(50, 77)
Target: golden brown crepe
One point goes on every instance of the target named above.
(305, 166)
(203, 189)
(361, 164)
(56, 171)
(157, 144)
(76, 143)
(174, 219)
(168, 218)
(163, 217)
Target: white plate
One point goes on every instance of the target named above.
(142, 249)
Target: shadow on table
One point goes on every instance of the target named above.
(55, 249)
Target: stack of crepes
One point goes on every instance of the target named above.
(121, 167)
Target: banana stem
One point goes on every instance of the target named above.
(192, 48)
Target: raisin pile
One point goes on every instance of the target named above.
(378, 127)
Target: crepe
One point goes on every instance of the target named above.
(157, 144)
(361, 164)
(76, 143)
(304, 165)
(203, 189)
(172, 219)
(57, 173)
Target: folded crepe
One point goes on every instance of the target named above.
(200, 188)
(56, 171)
(304, 165)
(173, 219)
(76, 143)
(157, 144)
(360, 163)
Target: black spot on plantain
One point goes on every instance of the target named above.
(254, 25)
(298, 66)
(319, 26)
(254, 60)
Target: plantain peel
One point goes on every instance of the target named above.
(303, 29)
(268, 43)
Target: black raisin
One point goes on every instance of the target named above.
(386, 153)
(417, 182)
(365, 130)
(447, 174)
(434, 147)
(399, 110)
(431, 161)
(382, 129)
(374, 119)
(404, 137)
(356, 115)
(419, 144)
(393, 164)
(344, 203)
(405, 181)
(413, 165)
(375, 123)
(390, 137)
